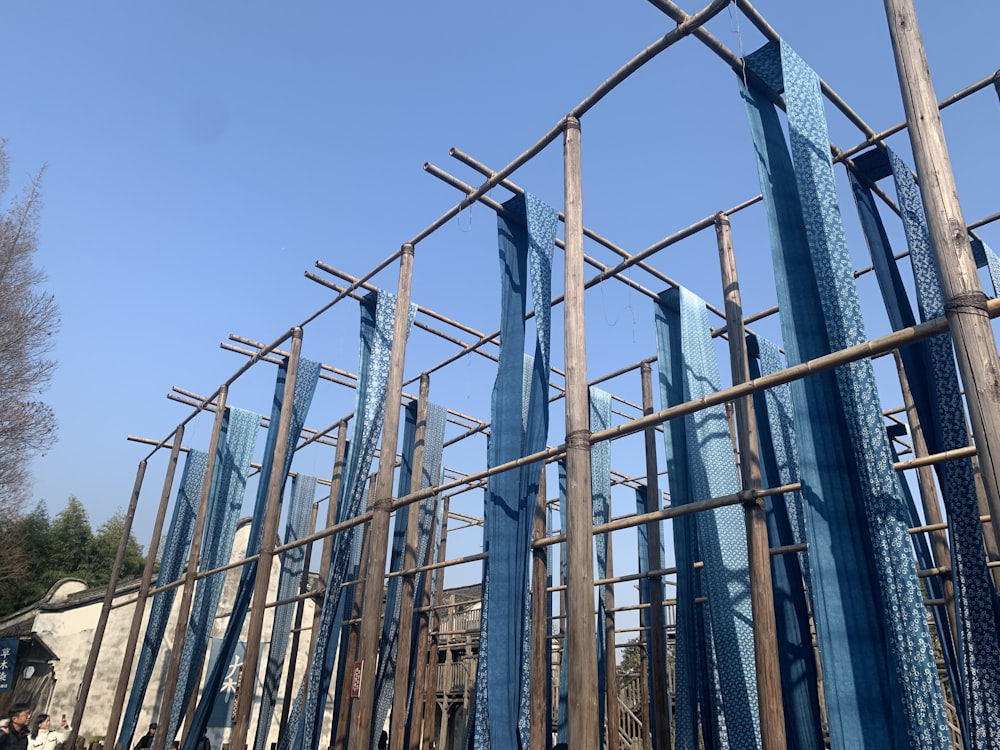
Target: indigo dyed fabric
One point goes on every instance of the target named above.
(600, 490)
(378, 314)
(519, 418)
(879, 675)
(700, 466)
(172, 562)
(289, 582)
(390, 640)
(237, 438)
(930, 370)
(779, 466)
(305, 385)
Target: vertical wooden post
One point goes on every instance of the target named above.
(929, 498)
(612, 719)
(269, 533)
(657, 640)
(965, 302)
(187, 591)
(407, 587)
(128, 656)
(109, 596)
(769, 700)
(361, 717)
(647, 734)
(540, 664)
(581, 631)
(431, 684)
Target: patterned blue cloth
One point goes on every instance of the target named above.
(527, 231)
(700, 466)
(779, 466)
(600, 490)
(378, 314)
(845, 459)
(305, 385)
(289, 582)
(430, 475)
(930, 369)
(175, 557)
(237, 439)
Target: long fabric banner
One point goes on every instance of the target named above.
(378, 314)
(175, 556)
(600, 490)
(519, 417)
(930, 370)
(700, 466)
(237, 439)
(879, 676)
(305, 386)
(293, 562)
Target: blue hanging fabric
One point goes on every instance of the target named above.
(519, 416)
(930, 370)
(789, 574)
(172, 562)
(562, 720)
(700, 466)
(389, 643)
(600, 490)
(642, 506)
(289, 582)
(305, 385)
(237, 438)
(879, 676)
(378, 313)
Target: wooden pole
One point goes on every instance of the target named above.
(139, 609)
(269, 533)
(657, 641)
(407, 587)
(109, 595)
(361, 717)
(187, 592)
(540, 664)
(965, 303)
(769, 700)
(929, 499)
(581, 632)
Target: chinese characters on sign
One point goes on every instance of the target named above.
(8, 661)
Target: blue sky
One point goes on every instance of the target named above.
(202, 156)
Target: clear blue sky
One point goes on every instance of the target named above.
(201, 157)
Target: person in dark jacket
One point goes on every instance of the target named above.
(146, 741)
(18, 730)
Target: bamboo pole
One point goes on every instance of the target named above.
(769, 700)
(187, 592)
(244, 698)
(128, 655)
(965, 303)
(660, 687)
(102, 620)
(407, 592)
(581, 632)
(361, 718)
(540, 662)
(929, 498)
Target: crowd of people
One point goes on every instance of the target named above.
(18, 731)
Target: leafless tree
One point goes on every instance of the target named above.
(28, 320)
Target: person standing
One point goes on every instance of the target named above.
(146, 741)
(16, 737)
(43, 736)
